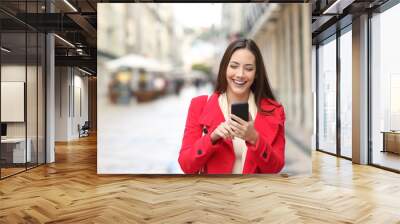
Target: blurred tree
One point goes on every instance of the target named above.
(206, 69)
(202, 67)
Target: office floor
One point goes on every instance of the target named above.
(70, 191)
(387, 159)
(12, 169)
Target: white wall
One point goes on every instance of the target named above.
(16, 73)
(62, 81)
(81, 100)
(71, 93)
(12, 101)
(12, 73)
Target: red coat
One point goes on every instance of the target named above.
(197, 153)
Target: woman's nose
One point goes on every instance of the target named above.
(240, 72)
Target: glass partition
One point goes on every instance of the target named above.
(346, 94)
(22, 77)
(385, 89)
(14, 153)
(327, 96)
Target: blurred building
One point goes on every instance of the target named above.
(145, 29)
(232, 19)
(282, 33)
(113, 30)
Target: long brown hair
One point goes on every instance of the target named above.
(260, 87)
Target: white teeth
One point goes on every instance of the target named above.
(239, 82)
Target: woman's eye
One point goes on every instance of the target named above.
(233, 66)
(249, 69)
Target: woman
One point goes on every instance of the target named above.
(216, 141)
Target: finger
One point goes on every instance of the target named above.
(222, 135)
(237, 135)
(236, 128)
(238, 119)
(237, 131)
(236, 125)
(225, 133)
(228, 128)
(240, 133)
(218, 133)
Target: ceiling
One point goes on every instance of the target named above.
(328, 16)
(75, 43)
(76, 22)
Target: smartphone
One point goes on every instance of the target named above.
(241, 110)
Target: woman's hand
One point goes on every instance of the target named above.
(243, 129)
(222, 131)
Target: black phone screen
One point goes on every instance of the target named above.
(241, 110)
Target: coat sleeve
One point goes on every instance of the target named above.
(270, 154)
(196, 149)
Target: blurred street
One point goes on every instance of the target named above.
(150, 69)
(145, 138)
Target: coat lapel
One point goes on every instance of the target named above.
(211, 115)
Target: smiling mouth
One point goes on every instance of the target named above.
(239, 83)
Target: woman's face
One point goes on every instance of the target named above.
(241, 72)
